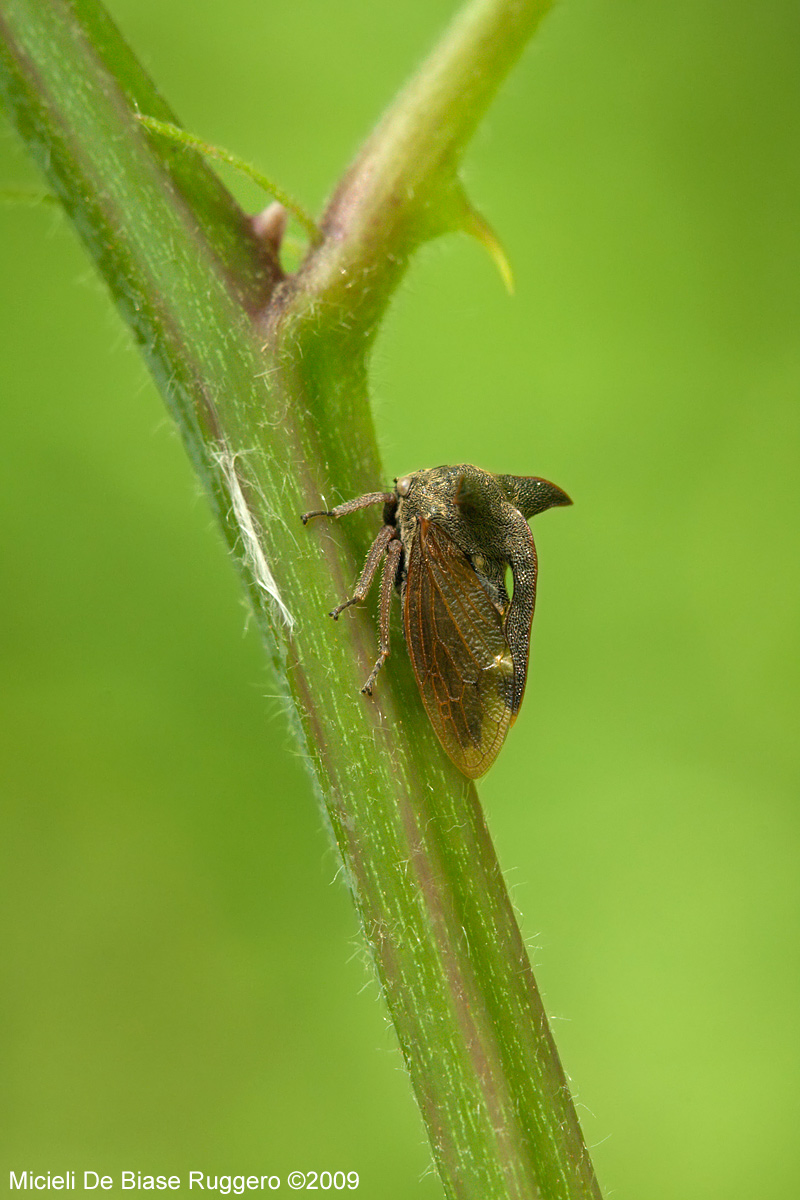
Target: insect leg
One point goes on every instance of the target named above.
(393, 552)
(341, 510)
(376, 553)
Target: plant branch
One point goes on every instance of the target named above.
(403, 187)
(182, 138)
(266, 379)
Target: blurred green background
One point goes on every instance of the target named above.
(183, 984)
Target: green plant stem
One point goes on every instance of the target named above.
(266, 380)
(182, 138)
(403, 187)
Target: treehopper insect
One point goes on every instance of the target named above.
(449, 535)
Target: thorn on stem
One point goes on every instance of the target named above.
(270, 224)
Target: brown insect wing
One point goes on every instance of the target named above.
(459, 652)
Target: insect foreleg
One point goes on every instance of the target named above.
(376, 552)
(393, 552)
(341, 510)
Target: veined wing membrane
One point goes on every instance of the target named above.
(458, 650)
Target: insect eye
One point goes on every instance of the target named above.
(404, 485)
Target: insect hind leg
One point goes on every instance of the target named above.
(390, 565)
